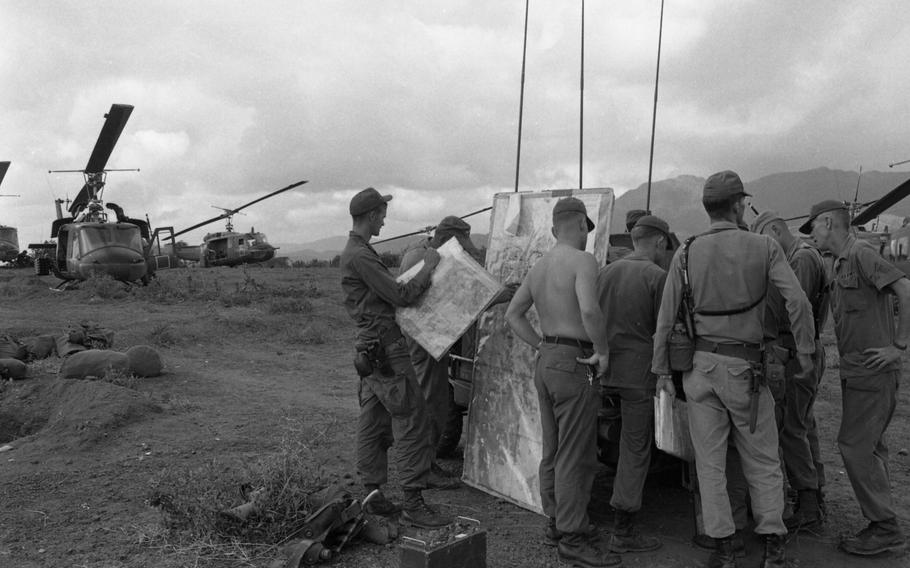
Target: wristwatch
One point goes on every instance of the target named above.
(899, 346)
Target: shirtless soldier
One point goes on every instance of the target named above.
(573, 349)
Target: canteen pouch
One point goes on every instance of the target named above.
(681, 349)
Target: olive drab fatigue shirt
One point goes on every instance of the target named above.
(629, 291)
(731, 269)
(863, 311)
(809, 268)
(371, 293)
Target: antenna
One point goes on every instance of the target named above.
(660, 35)
(898, 163)
(521, 98)
(581, 102)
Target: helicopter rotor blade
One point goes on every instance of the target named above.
(880, 206)
(80, 200)
(229, 212)
(3, 167)
(427, 229)
(114, 122)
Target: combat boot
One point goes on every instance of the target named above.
(723, 555)
(581, 550)
(378, 504)
(552, 535)
(626, 539)
(878, 537)
(417, 513)
(808, 516)
(774, 552)
(704, 541)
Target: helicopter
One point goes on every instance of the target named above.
(9, 238)
(226, 248)
(88, 242)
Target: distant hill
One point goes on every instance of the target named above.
(678, 200)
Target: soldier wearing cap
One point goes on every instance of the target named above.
(432, 375)
(630, 290)
(729, 271)
(633, 216)
(795, 393)
(862, 288)
(572, 351)
(391, 406)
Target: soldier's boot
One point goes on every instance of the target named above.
(416, 512)
(702, 540)
(774, 556)
(822, 506)
(626, 538)
(583, 551)
(379, 504)
(552, 535)
(878, 537)
(808, 516)
(723, 555)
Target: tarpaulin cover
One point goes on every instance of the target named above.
(503, 446)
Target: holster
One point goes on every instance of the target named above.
(371, 355)
(680, 350)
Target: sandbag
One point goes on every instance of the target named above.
(40, 346)
(12, 369)
(144, 361)
(94, 363)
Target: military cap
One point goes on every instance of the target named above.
(367, 200)
(453, 224)
(818, 209)
(633, 216)
(655, 222)
(575, 205)
(764, 219)
(723, 184)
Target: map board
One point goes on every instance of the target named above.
(460, 289)
(503, 446)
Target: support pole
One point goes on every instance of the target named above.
(521, 99)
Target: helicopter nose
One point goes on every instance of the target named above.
(120, 264)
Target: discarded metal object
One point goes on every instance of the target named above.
(466, 547)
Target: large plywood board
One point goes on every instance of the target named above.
(460, 289)
(503, 446)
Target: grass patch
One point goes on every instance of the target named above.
(285, 305)
(191, 501)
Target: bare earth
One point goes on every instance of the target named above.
(255, 357)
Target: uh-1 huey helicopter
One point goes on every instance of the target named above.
(9, 237)
(88, 241)
(226, 248)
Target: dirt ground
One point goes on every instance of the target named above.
(255, 356)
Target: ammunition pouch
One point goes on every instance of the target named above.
(775, 363)
(363, 363)
(681, 350)
(371, 355)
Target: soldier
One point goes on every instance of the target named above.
(432, 375)
(562, 286)
(727, 272)
(797, 428)
(391, 406)
(633, 216)
(630, 290)
(862, 288)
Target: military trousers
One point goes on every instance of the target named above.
(798, 431)
(635, 441)
(568, 418)
(868, 404)
(392, 410)
(718, 401)
(433, 378)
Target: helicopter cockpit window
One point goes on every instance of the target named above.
(107, 235)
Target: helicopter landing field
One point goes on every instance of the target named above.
(258, 373)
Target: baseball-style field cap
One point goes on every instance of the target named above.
(655, 223)
(633, 216)
(367, 200)
(724, 184)
(763, 219)
(453, 224)
(818, 209)
(574, 205)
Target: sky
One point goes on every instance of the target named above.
(420, 99)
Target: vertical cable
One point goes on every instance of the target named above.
(660, 34)
(521, 100)
(581, 103)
